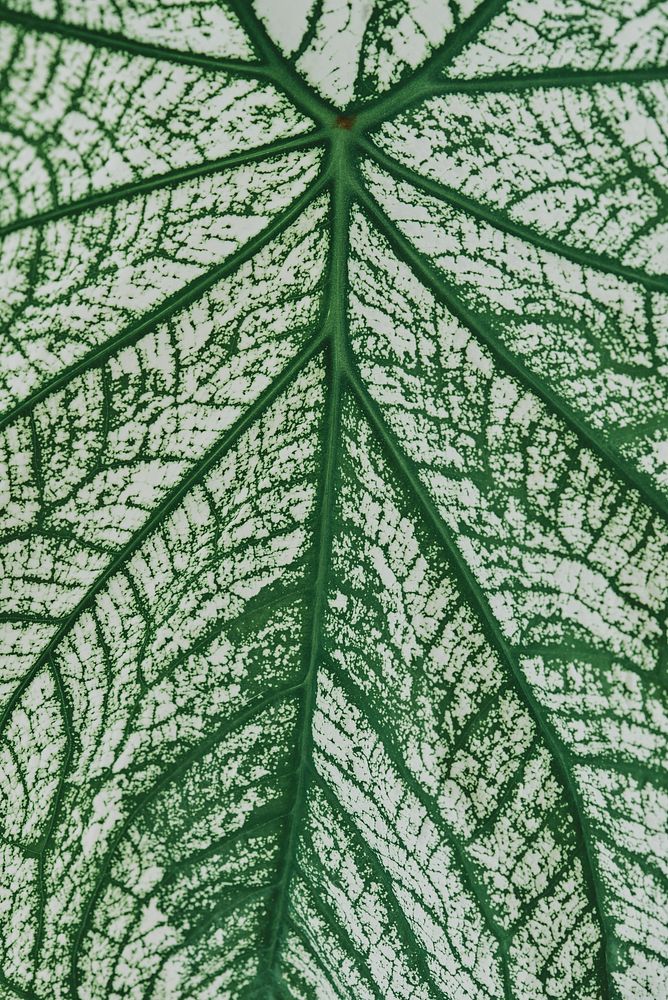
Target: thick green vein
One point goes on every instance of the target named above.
(253, 609)
(611, 459)
(471, 591)
(281, 70)
(276, 69)
(641, 772)
(422, 83)
(168, 777)
(334, 340)
(336, 331)
(170, 502)
(172, 177)
(324, 912)
(279, 990)
(562, 79)
(109, 40)
(505, 224)
(223, 909)
(264, 819)
(171, 305)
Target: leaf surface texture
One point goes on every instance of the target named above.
(334, 477)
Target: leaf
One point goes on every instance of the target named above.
(334, 470)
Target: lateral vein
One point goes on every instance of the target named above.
(179, 300)
(158, 181)
(171, 501)
(507, 225)
(118, 42)
(509, 362)
(406, 471)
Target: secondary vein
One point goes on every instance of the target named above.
(171, 305)
(167, 179)
(118, 42)
(509, 362)
(408, 474)
(507, 225)
(170, 502)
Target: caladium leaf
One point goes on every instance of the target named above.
(334, 471)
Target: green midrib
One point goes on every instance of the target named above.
(336, 349)
(343, 379)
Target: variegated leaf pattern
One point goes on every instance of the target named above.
(334, 499)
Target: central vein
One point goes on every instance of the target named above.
(337, 370)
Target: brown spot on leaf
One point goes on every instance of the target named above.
(345, 121)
